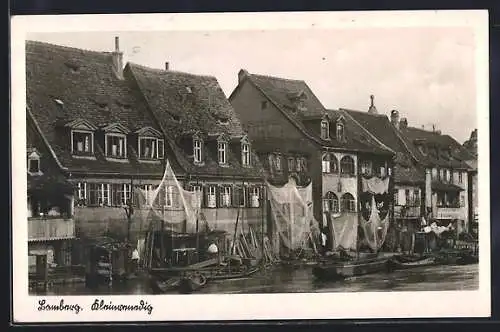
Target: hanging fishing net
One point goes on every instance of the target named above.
(292, 214)
(375, 211)
(166, 206)
(345, 230)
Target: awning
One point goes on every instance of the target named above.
(439, 186)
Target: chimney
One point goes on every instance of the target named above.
(372, 109)
(118, 59)
(242, 74)
(403, 123)
(166, 65)
(395, 118)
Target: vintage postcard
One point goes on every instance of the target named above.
(187, 167)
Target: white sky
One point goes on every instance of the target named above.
(427, 74)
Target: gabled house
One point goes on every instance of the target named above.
(471, 146)
(447, 175)
(51, 226)
(298, 137)
(214, 153)
(98, 130)
(409, 175)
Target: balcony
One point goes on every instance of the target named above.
(406, 212)
(50, 228)
(449, 213)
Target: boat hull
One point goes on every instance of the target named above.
(342, 270)
(400, 263)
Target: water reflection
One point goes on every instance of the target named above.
(289, 280)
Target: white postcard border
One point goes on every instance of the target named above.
(262, 306)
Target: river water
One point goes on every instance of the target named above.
(291, 280)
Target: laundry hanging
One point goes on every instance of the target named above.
(375, 229)
(375, 185)
(345, 231)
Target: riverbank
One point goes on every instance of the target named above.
(292, 280)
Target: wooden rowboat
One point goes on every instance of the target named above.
(342, 270)
(408, 262)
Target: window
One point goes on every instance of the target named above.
(151, 148)
(239, 196)
(121, 194)
(441, 174)
(340, 131)
(225, 196)
(82, 143)
(396, 197)
(382, 171)
(291, 164)
(298, 165)
(263, 105)
(245, 154)
(99, 194)
(325, 130)
(169, 196)
(460, 177)
(197, 144)
(348, 203)
(197, 195)
(221, 149)
(416, 197)
(448, 175)
(366, 167)
(81, 193)
(278, 162)
(254, 197)
(434, 173)
(116, 146)
(347, 165)
(330, 203)
(407, 197)
(148, 188)
(329, 163)
(210, 197)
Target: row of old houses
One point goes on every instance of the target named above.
(97, 127)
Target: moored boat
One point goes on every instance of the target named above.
(403, 262)
(347, 269)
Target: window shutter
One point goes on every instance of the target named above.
(236, 194)
(204, 200)
(218, 196)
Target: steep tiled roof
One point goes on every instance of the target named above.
(379, 126)
(185, 104)
(418, 136)
(282, 92)
(65, 84)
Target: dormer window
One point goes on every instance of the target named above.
(222, 152)
(245, 154)
(325, 129)
(245, 151)
(82, 138)
(151, 146)
(83, 143)
(115, 141)
(116, 146)
(34, 163)
(340, 133)
(197, 146)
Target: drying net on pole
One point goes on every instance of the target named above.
(292, 213)
(345, 230)
(376, 226)
(166, 205)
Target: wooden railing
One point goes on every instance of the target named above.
(406, 211)
(449, 213)
(40, 229)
